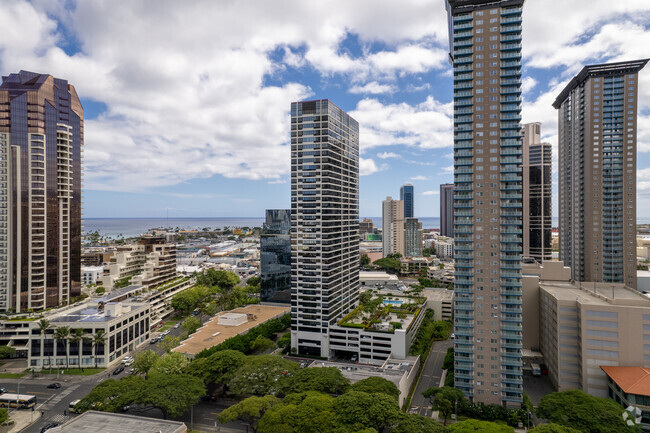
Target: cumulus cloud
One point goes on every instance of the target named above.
(373, 88)
(420, 177)
(367, 167)
(426, 125)
(431, 193)
(387, 155)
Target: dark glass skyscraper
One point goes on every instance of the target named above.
(324, 222)
(447, 210)
(41, 137)
(406, 195)
(275, 258)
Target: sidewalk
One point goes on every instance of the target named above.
(21, 419)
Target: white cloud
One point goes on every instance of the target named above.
(373, 88)
(387, 155)
(431, 193)
(367, 167)
(527, 84)
(420, 177)
(426, 125)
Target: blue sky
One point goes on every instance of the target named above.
(187, 103)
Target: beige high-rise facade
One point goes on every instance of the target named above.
(537, 183)
(597, 172)
(485, 51)
(392, 226)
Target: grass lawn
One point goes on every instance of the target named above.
(11, 375)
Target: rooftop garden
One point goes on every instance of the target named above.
(383, 313)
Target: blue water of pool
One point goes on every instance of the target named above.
(388, 301)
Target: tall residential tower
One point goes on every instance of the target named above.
(275, 257)
(537, 164)
(41, 141)
(485, 51)
(447, 210)
(597, 173)
(406, 195)
(324, 222)
(392, 226)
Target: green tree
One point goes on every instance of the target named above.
(170, 363)
(3, 415)
(191, 324)
(217, 368)
(583, 412)
(100, 290)
(474, 425)
(98, 339)
(329, 380)
(76, 337)
(144, 361)
(365, 297)
(376, 384)
(553, 428)
(61, 335)
(364, 260)
(6, 352)
(112, 395)
(444, 399)
(428, 252)
(226, 280)
(362, 410)
(263, 375)
(417, 424)
(388, 264)
(261, 344)
(249, 410)
(285, 341)
(173, 394)
(394, 256)
(169, 342)
(254, 281)
(43, 327)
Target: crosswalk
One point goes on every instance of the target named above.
(58, 419)
(49, 404)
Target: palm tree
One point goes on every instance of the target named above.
(98, 339)
(62, 333)
(43, 326)
(76, 337)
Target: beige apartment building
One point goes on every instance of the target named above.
(581, 327)
(392, 225)
(597, 172)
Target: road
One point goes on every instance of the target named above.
(430, 377)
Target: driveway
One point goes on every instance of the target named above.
(430, 377)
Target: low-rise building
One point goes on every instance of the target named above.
(377, 278)
(91, 274)
(93, 421)
(444, 247)
(581, 327)
(414, 265)
(440, 301)
(630, 386)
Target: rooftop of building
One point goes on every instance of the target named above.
(632, 380)
(97, 312)
(102, 422)
(377, 275)
(461, 6)
(601, 70)
(212, 333)
(92, 269)
(384, 313)
(595, 293)
(392, 369)
(438, 294)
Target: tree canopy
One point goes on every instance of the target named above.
(444, 399)
(329, 380)
(218, 367)
(360, 410)
(225, 280)
(249, 410)
(173, 394)
(6, 352)
(170, 363)
(553, 428)
(417, 424)
(191, 324)
(144, 361)
(583, 412)
(474, 425)
(376, 384)
(263, 375)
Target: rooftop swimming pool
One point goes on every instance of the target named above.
(391, 302)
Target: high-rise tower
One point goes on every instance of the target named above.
(406, 195)
(412, 237)
(275, 257)
(392, 226)
(597, 172)
(485, 45)
(41, 139)
(447, 210)
(324, 222)
(537, 164)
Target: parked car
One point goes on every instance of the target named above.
(153, 341)
(118, 370)
(3, 390)
(55, 385)
(176, 326)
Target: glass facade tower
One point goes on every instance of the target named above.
(447, 210)
(597, 172)
(406, 195)
(41, 141)
(324, 222)
(275, 257)
(485, 51)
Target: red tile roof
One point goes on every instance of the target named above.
(632, 380)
